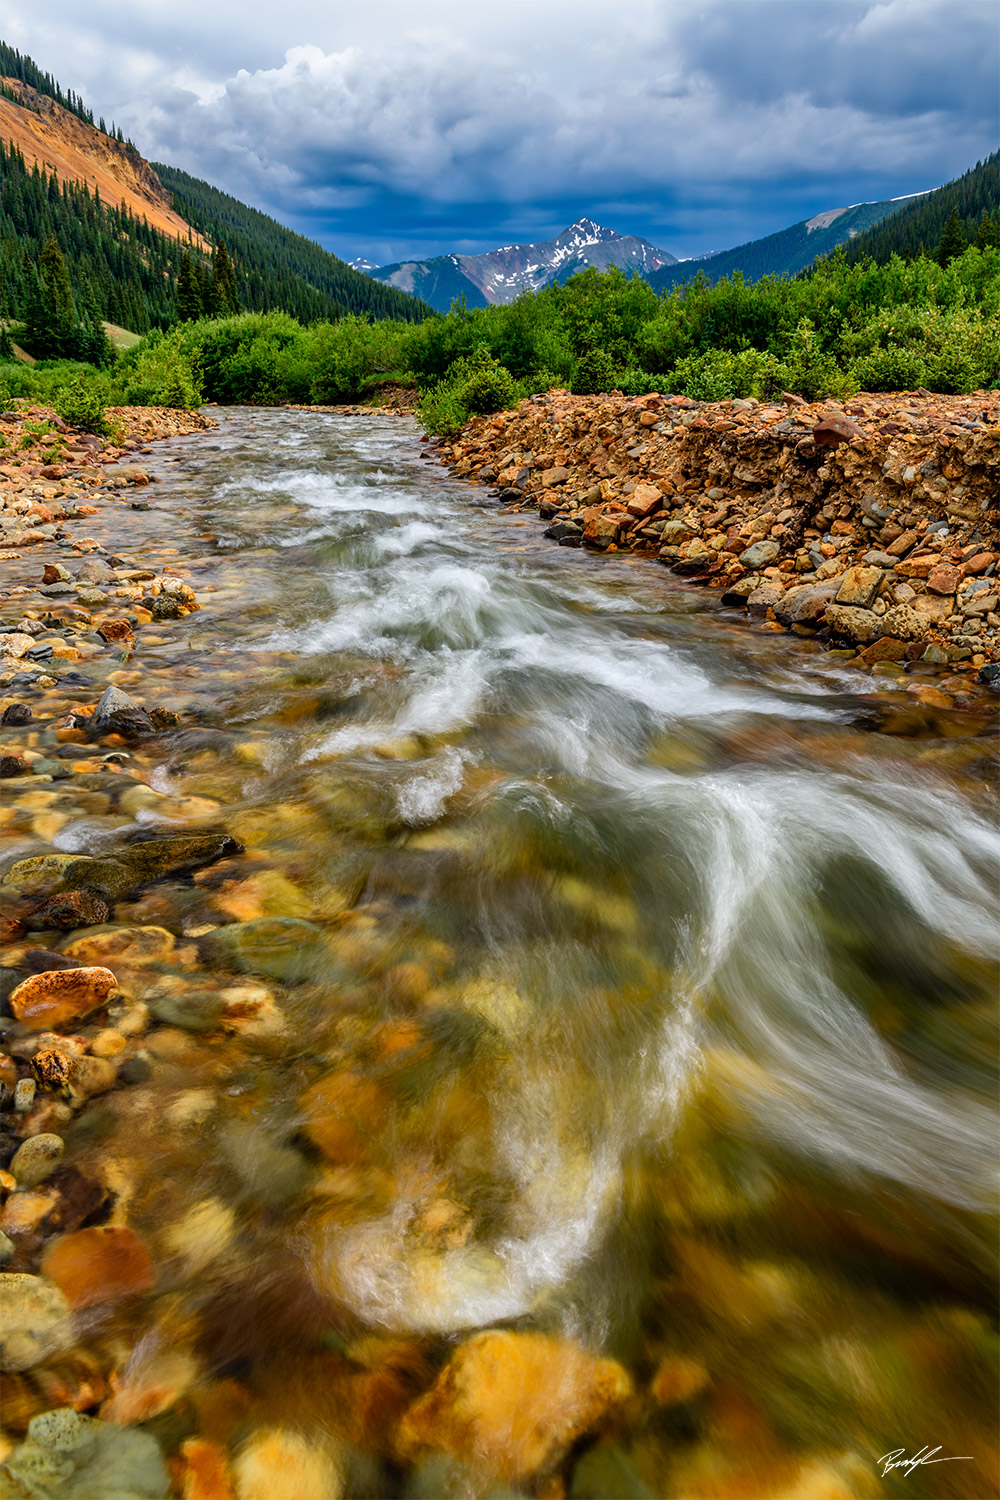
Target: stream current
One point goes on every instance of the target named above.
(634, 976)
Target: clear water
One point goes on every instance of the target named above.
(653, 999)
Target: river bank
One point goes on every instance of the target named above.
(477, 1022)
(873, 525)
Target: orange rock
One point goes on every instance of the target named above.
(98, 1265)
(61, 996)
(677, 1380)
(513, 1403)
(408, 983)
(201, 1471)
(343, 1114)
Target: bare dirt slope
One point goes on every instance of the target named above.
(45, 132)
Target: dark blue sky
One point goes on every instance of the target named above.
(408, 129)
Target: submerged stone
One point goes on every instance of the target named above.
(284, 948)
(69, 1456)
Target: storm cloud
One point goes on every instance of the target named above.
(407, 129)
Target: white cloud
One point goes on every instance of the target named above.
(312, 111)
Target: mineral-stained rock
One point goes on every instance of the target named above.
(807, 604)
(859, 586)
(98, 1264)
(944, 579)
(131, 946)
(903, 622)
(58, 997)
(513, 1403)
(857, 625)
(69, 910)
(69, 1456)
(835, 429)
(35, 1321)
(116, 630)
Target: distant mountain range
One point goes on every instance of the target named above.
(499, 275)
(789, 250)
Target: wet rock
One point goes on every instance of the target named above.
(14, 644)
(130, 946)
(69, 1456)
(154, 858)
(284, 948)
(340, 1114)
(677, 1380)
(99, 1264)
(94, 570)
(763, 598)
(55, 873)
(278, 1463)
(513, 1402)
(35, 1320)
(61, 996)
(69, 910)
(990, 675)
(857, 625)
(116, 630)
(37, 1159)
(14, 765)
(15, 713)
(52, 1068)
(117, 713)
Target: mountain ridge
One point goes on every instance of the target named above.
(498, 276)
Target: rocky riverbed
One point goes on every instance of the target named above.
(873, 525)
(476, 1022)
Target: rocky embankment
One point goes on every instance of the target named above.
(63, 597)
(873, 525)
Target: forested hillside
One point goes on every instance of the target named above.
(128, 258)
(276, 268)
(781, 254)
(117, 262)
(920, 225)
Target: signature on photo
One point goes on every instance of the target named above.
(897, 1459)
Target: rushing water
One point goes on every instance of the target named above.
(649, 998)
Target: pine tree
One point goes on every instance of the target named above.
(223, 298)
(50, 314)
(189, 297)
(953, 241)
(988, 232)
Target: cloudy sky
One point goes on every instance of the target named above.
(404, 128)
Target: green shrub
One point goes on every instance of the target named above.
(487, 385)
(716, 374)
(158, 372)
(81, 404)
